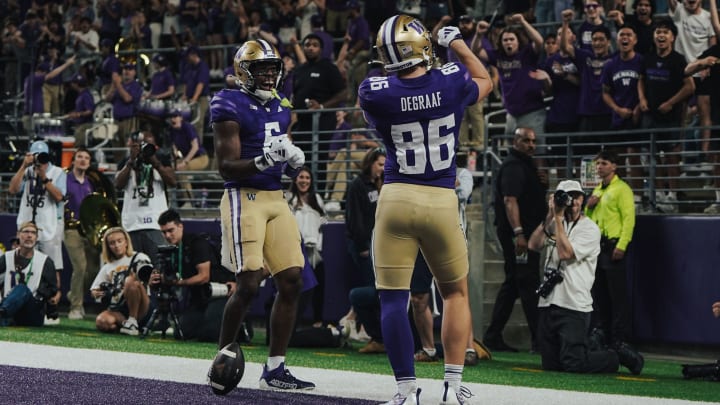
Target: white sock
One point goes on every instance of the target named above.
(717, 195)
(431, 352)
(131, 319)
(453, 375)
(407, 387)
(274, 362)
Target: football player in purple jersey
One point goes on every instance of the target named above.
(418, 111)
(258, 230)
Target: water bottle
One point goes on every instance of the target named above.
(203, 198)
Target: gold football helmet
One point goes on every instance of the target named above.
(403, 42)
(248, 59)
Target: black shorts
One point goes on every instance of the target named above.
(702, 87)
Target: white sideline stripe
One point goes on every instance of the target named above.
(336, 383)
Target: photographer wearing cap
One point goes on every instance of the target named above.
(43, 188)
(571, 244)
(27, 281)
(205, 284)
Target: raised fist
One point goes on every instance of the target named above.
(448, 34)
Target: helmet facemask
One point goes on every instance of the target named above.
(259, 69)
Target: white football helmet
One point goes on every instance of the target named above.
(247, 59)
(403, 42)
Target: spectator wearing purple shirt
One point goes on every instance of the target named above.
(594, 113)
(593, 19)
(355, 51)
(33, 90)
(562, 114)
(140, 31)
(110, 12)
(125, 98)
(109, 67)
(517, 64)
(620, 79)
(83, 255)
(156, 104)
(196, 78)
(82, 117)
(52, 86)
(185, 143)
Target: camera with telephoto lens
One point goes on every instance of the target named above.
(165, 267)
(217, 290)
(552, 277)
(710, 371)
(562, 199)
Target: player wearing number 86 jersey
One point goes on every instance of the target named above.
(418, 114)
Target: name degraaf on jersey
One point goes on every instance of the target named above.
(258, 122)
(419, 121)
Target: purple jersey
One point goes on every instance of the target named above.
(257, 123)
(590, 68)
(621, 77)
(521, 93)
(161, 81)
(419, 120)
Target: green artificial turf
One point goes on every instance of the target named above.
(658, 379)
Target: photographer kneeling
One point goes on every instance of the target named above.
(571, 244)
(205, 284)
(117, 285)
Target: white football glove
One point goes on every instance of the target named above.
(295, 156)
(274, 152)
(447, 35)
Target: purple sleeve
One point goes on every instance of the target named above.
(223, 108)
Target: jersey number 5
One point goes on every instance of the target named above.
(413, 151)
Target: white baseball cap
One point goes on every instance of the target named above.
(569, 185)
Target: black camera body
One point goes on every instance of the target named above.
(110, 291)
(552, 277)
(41, 158)
(165, 266)
(562, 199)
(710, 371)
(147, 150)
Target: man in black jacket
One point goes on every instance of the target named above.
(519, 207)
